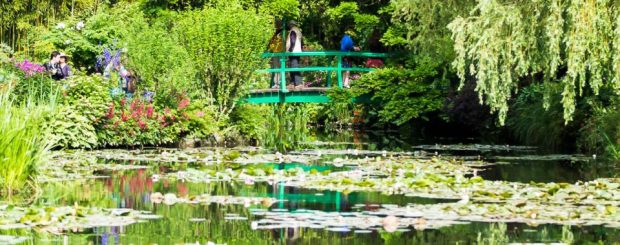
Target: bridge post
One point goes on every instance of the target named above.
(283, 75)
(340, 71)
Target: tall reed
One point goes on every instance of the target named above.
(24, 143)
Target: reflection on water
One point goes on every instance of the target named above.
(202, 223)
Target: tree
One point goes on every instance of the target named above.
(573, 43)
(225, 43)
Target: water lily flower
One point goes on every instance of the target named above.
(246, 203)
(170, 199)
(157, 197)
(390, 223)
(155, 177)
(249, 180)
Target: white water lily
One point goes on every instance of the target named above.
(170, 199)
(157, 197)
(390, 223)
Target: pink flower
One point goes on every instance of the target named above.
(149, 111)
(183, 104)
(142, 125)
(29, 68)
(200, 113)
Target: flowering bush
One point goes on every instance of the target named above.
(136, 122)
(33, 83)
(30, 69)
(82, 106)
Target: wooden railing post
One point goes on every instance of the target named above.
(283, 75)
(340, 71)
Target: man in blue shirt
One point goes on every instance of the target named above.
(347, 45)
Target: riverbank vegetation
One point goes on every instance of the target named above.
(527, 72)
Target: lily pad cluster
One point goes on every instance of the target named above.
(358, 222)
(171, 199)
(68, 218)
(74, 166)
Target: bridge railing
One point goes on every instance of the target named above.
(337, 55)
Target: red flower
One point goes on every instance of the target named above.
(183, 104)
(123, 101)
(110, 114)
(142, 125)
(124, 117)
(149, 111)
(132, 106)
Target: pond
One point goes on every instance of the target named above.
(223, 196)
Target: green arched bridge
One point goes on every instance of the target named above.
(307, 94)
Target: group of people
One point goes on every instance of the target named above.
(294, 44)
(58, 67)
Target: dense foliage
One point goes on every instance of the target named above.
(572, 43)
(194, 60)
(403, 94)
(225, 44)
(24, 143)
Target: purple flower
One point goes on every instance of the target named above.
(29, 68)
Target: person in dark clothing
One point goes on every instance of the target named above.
(294, 44)
(53, 66)
(347, 45)
(65, 68)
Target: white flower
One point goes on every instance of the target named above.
(60, 25)
(79, 25)
(68, 41)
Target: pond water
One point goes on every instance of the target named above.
(185, 223)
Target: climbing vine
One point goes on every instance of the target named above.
(572, 42)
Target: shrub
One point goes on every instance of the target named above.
(137, 123)
(225, 43)
(163, 65)
(252, 120)
(85, 101)
(403, 94)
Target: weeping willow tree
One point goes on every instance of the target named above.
(573, 43)
(420, 25)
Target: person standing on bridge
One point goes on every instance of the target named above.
(347, 45)
(293, 45)
(276, 45)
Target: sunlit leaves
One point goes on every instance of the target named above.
(571, 42)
